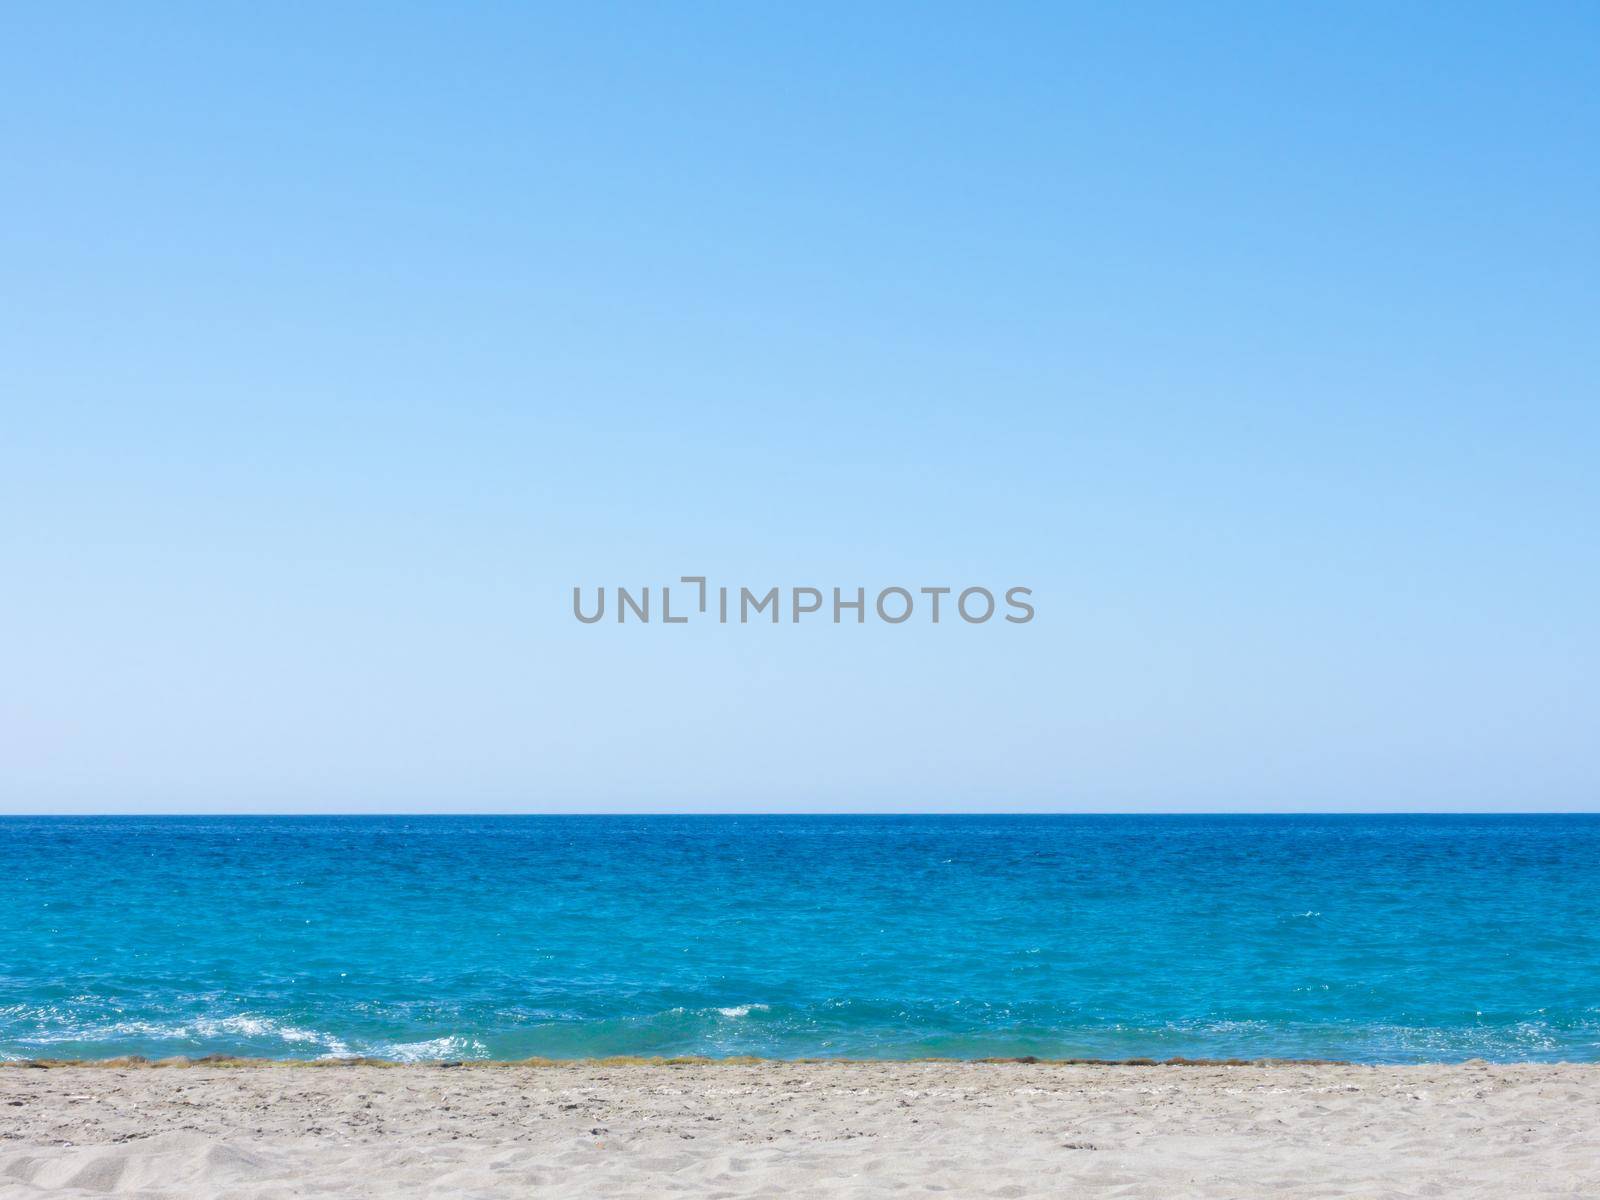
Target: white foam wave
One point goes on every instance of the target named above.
(199, 1029)
(742, 1010)
(246, 1025)
(432, 1050)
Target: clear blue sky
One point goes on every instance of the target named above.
(337, 343)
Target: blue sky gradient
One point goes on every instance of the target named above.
(337, 343)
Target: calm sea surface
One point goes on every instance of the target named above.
(1372, 938)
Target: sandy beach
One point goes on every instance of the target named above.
(801, 1129)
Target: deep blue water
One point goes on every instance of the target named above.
(1368, 938)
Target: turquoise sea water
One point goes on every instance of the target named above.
(1368, 938)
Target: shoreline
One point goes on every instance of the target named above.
(569, 1128)
(184, 1061)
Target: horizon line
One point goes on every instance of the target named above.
(1221, 812)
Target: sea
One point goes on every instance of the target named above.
(1379, 939)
